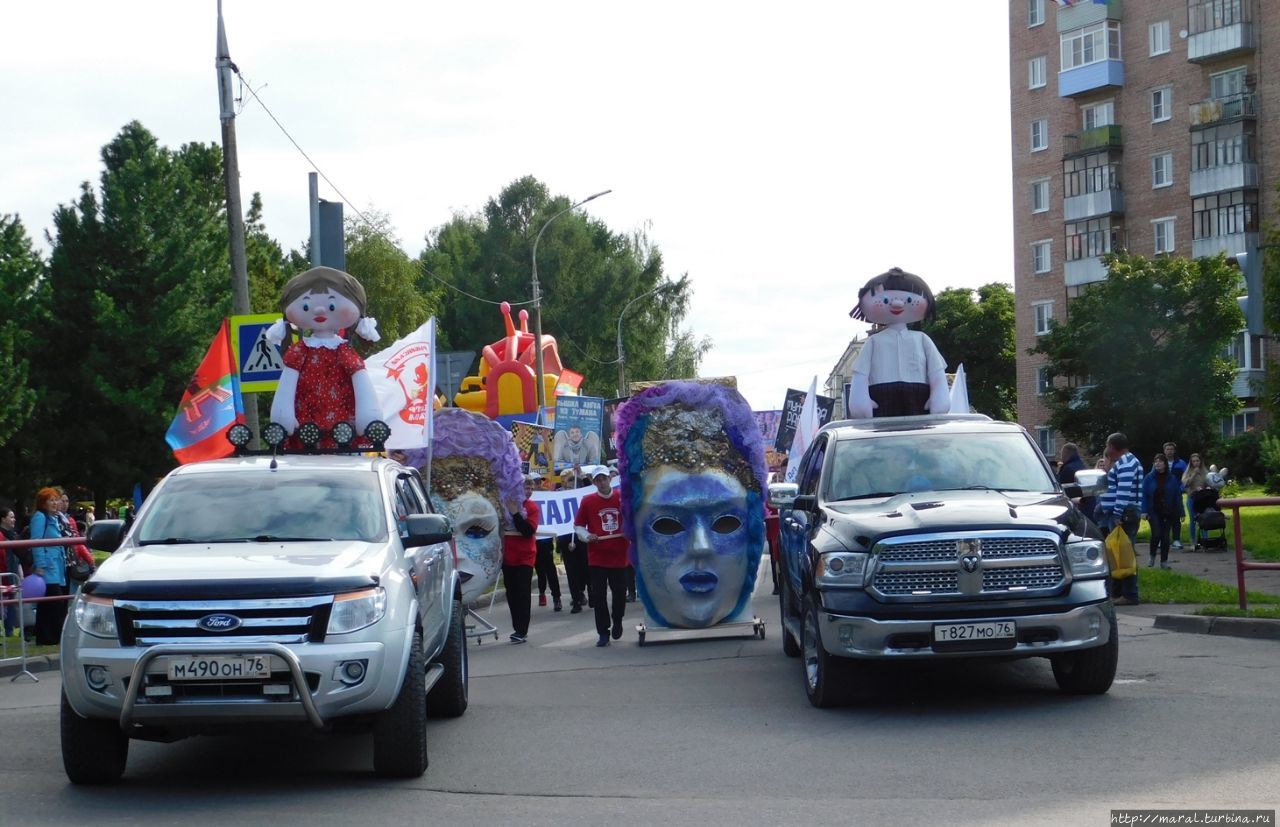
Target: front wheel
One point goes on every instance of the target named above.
(826, 678)
(94, 751)
(1090, 672)
(400, 732)
(448, 698)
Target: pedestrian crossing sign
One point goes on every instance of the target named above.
(258, 361)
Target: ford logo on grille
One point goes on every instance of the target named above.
(219, 623)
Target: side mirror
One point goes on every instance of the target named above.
(805, 502)
(782, 494)
(1091, 483)
(427, 530)
(105, 535)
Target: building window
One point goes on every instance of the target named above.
(1044, 314)
(1040, 261)
(1162, 104)
(1035, 13)
(1245, 351)
(1039, 135)
(1162, 170)
(1224, 145)
(1241, 422)
(1206, 15)
(1163, 229)
(1226, 213)
(1084, 174)
(1036, 72)
(1098, 114)
(1040, 195)
(1227, 84)
(1158, 37)
(1091, 44)
(1092, 238)
(1044, 436)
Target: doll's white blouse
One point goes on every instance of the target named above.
(899, 356)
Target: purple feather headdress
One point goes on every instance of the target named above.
(459, 432)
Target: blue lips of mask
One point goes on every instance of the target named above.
(699, 582)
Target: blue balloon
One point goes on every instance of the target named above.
(33, 586)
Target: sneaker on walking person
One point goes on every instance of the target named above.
(603, 641)
(515, 638)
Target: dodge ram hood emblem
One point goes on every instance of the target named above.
(970, 554)
(219, 622)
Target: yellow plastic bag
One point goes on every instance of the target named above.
(1120, 554)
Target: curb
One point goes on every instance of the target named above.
(35, 664)
(1247, 627)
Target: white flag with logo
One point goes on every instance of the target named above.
(806, 430)
(404, 376)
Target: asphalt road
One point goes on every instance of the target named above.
(719, 732)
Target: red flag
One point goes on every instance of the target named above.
(209, 407)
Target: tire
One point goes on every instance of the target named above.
(826, 679)
(400, 732)
(1090, 672)
(790, 646)
(448, 698)
(94, 751)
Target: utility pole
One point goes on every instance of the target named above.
(235, 215)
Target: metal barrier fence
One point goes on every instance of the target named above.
(1243, 565)
(19, 601)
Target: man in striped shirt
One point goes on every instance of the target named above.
(1124, 492)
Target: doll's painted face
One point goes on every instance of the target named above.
(886, 307)
(323, 312)
(692, 539)
(478, 537)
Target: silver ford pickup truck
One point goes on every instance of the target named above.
(311, 591)
(918, 538)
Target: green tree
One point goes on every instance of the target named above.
(390, 278)
(21, 269)
(138, 283)
(587, 274)
(1143, 353)
(265, 261)
(976, 328)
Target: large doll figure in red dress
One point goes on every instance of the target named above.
(324, 380)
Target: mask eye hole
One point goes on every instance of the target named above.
(476, 532)
(306, 308)
(667, 526)
(332, 307)
(726, 524)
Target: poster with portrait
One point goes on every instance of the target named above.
(609, 442)
(579, 421)
(791, 414)
(533, 443)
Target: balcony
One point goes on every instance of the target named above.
(1247, 381)
(1086, 14)
(1093, 204)
(1091, 77)
(1084, 271)
(1219, 28)
(1230, 244)
(1092, 140)
(1224, 178)
(1216, 110)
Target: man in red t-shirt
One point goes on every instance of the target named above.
(599, 524)
(519, 551)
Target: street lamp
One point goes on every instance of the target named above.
(622, 360)
(537, 304)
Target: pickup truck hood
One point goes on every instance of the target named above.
(239, 569)
(952, 511)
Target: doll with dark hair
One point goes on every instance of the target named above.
(898, 372)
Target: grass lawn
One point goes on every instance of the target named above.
(1267, 612)
(1259, 528)
(1168, 586)
(15, 649)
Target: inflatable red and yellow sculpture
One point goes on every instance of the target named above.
(506, 384)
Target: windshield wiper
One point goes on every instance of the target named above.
(279, 538)
(979, 487)
(171, 541)
(867, 496)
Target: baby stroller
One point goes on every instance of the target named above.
(1210, 520)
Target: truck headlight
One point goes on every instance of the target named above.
(356, 610)
(96, 616)
(1088, 558)
(841, 568)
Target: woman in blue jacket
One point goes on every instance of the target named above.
(50, 562)
(1161, 506)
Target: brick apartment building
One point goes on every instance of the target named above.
(1139, 125)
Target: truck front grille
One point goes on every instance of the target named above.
(974, 565)
(269, 620)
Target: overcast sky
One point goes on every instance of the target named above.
(780, 154)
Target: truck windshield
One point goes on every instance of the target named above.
(886, 465)
(244, 507)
